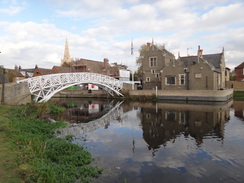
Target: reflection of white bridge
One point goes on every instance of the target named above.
(79, 129)
(44, 87)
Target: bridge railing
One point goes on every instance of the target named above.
(47, 85)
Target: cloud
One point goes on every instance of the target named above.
(104, 29)
(12, 7)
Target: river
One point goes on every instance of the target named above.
(167, 142)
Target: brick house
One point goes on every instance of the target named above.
(216, 60)
(42, 71)
(196, 75)
(239, 72)
(200, 72)
(154, 60)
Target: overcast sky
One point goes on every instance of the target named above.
(34, 31)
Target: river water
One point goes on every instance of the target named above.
(159, 142)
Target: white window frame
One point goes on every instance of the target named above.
(157, 75)
(180, 75)
(182, 118)
(148, 79)
(154, 62)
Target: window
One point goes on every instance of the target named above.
(198, 76)
(182, 118)
(170, 116)
(182, 79)
(153, 62)
(157, 75)
(170, 80)
(147, 79)
(153, 71)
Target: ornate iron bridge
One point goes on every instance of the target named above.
(44, 87)
(78, 129)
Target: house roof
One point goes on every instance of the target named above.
(214, 59)
(15, 73)
(91, 65)
(59, 69)
(45, 71)
(28, 70)
(240, 66)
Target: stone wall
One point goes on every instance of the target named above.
(16, 94)
(236, 85)
(187, 95)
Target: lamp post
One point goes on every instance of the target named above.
(3, 81)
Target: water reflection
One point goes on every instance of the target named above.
(97, 116)
(165, 122)
(164, 142)
(239, 110)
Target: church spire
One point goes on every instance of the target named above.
(67, 57)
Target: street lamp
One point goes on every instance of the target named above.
(3, 81)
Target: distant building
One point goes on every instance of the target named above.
(239, 72)
(42, 71)
(67, 59)
(86, 65)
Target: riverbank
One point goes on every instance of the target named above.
(30, 152)
(174, 95)
(239, 95)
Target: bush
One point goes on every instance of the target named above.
(45, 158)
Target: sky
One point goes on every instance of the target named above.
(33, 32)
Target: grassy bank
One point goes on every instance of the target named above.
(32, 153)
(239, 95)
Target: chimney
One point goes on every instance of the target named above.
(16, 67)
(148, 46)
(36, 67)
(199, 52)
(105, 63)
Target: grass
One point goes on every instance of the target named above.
(8, 166)
(239, 95)
(38, 155)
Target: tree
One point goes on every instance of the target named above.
(142, 51)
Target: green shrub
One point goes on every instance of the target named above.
(45, 158)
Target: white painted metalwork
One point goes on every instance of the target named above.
(44, 87)
(78, 129)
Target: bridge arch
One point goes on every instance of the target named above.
(44, 87)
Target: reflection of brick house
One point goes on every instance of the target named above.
(200, 72)
(239, 72)
(172, 120)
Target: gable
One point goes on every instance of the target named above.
(240, 66)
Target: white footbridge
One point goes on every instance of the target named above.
(44, 87)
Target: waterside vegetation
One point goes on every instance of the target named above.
(238, 95)
(37, 155)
